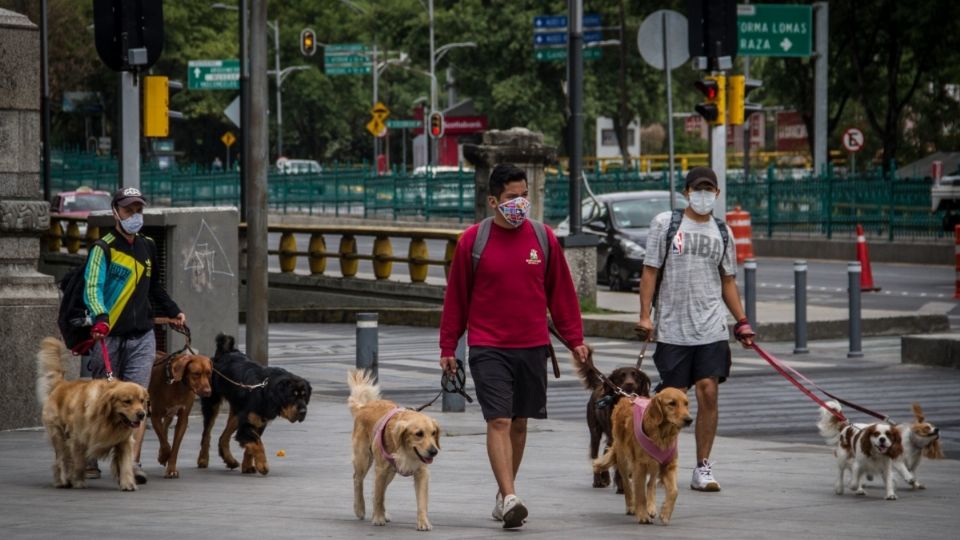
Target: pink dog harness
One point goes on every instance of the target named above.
(378, 440)
(663, 456)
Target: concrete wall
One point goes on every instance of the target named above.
(846, 250)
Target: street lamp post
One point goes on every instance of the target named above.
(276, 66)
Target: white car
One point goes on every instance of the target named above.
(298, 166)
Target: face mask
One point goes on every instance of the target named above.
(515, 211)
(702, 201)
(132, 224)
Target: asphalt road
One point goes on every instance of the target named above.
(904, 287)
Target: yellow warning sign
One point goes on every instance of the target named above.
(228, 139)
(380, 111)
(376, 127)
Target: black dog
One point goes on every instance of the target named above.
(600, 406)
(257, 395)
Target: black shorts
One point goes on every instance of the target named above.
(510, 383)
(681, 366)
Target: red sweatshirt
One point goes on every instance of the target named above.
(505, 304)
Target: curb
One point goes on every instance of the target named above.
(939, 350)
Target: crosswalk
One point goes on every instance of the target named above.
(755, 402)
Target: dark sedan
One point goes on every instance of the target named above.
(621, 222)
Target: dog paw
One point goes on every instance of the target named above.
(247, 469)
(172, 474)
(262, 468)
(644, 520)
(163, 455)
(918, 485)
(128, 486)
(202, 463)
(424, 525)
(379, 521)
(860, 492)
(232, 464)
(600, 482)
(891, 497)
(629, 511)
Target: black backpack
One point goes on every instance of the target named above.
(73, 319)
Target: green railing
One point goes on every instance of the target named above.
(779, 203)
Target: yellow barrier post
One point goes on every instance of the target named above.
(73, 237)
(418, 251)
(349, 263)
(382, 253)
(54, 236)
(318, 249)
(288, 250)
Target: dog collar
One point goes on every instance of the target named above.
(380, 428)
(662, 455)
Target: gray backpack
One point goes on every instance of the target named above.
(483, 234)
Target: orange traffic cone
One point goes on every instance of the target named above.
(866, 275)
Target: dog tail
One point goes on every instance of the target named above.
(829, 425)
(604, 462)
(362, 389)
(586, 371)
(50, 372)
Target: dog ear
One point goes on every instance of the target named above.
(643, 382)
(103, 407)
(896, 446)
(866, 445)
(401, 430)
(178, 365)
(655, 409)
(436, 427)
(934, 450)
(918, 412)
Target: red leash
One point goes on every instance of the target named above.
(782, 368)
(85, 346)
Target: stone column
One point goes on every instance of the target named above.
(28, 299)
(525, 149)
(520, 147)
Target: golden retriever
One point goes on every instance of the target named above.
(87, 419)
(397, 440)
(666, 414)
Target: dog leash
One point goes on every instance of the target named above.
(451, 385)
(167, 370)
(106, 359)
(603, 378)
(786, 370)
(240, 384)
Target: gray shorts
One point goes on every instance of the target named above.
(511, 383)
(130, 357)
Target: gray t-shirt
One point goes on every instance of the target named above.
(691, 308)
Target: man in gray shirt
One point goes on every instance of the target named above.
(699, 279)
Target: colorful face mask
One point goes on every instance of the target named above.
(515, 211)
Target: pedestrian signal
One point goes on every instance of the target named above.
(713, 109)
(436, 125)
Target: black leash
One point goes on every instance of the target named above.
(167, 370)
(451, 385)
(603, 378)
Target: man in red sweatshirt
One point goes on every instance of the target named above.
(501, 300)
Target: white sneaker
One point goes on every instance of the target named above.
(498, 508)
(703, 479)
(514, 512)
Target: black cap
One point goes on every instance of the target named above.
(127, 196)
(699, 175)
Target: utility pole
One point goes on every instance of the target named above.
(434, 143)
(575, 85)
(256, 156)
(746, 125)
(821, 14)
(376, 98)
(245, 149)
(45, 100)
(276, 67)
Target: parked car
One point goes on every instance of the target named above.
(298, 166)
(621, 222)
(80, 203)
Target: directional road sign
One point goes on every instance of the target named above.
(347, 70)
(213, 75)
(774, 30)
(590, 20)
(346, 59)
(404, 124)
(541, 39)
(344, 48)
(560, 54)
(853, 140)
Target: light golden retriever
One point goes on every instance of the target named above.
(407, 442)
(87, 419)
(667, 413)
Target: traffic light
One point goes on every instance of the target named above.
(714, 109)
(128, 35)
(739, 88)
(157, 90)
(436, 125)
(308, 42)
(156, 103)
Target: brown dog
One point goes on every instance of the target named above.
(397, 440)
(666, 414)
(87, 419)
(174, 385)
(600, 406)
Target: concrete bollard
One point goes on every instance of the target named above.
(750, 290)
(853, 288)
(800, 307)
(453, 402)
(368, 344)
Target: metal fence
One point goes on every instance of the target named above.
(779, 202)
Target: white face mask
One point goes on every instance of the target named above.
(702, 202)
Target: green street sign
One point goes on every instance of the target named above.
(774, 30)
(404, 124)
(344, 59)
(213, 75)
(344, 48)
(347, 70)
(560, 54)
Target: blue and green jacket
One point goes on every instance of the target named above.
(121, 286)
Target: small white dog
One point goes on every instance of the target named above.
(864, 449)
